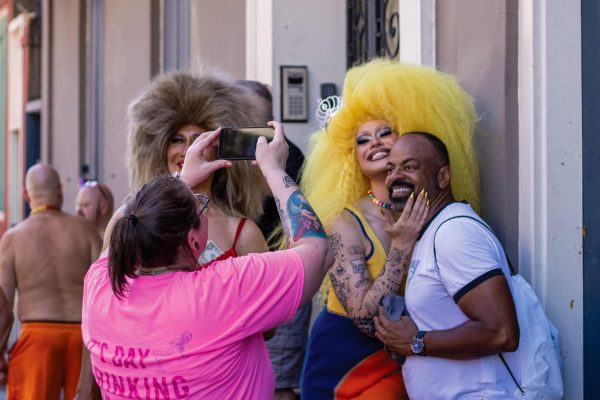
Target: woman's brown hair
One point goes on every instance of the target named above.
(154, 230)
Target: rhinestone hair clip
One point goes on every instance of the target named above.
(327, 109)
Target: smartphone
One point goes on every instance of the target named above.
(240, 143)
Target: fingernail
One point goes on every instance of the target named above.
(426, 195)
(427, 202)
(412, 196)
(421, 192)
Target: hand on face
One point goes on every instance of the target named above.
(196, 168)
(273, 155)
(412, 219)
(396, 335)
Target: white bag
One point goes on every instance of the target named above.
(535, 367)
(536, 363)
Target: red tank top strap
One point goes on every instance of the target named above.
(239, 230)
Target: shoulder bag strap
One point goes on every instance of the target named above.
(512, 272)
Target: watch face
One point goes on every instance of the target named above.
(417, 346)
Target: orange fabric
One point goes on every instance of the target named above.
(364, 381)
(45, 358)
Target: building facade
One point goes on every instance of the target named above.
(531, 67)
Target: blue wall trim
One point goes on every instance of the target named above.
(590, 57)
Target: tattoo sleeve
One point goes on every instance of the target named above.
(288, 181)
(357, 290)
(284, 224)
(302, 218)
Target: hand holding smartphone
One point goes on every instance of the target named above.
(240, 143)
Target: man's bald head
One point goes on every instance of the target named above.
(42, 186)
(95, 202)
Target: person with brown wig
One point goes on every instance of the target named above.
(165, 120)
(159, 325)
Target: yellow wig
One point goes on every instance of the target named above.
(411, 98)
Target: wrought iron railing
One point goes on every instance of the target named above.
(373, 30)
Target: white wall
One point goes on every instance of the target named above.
(311, 33)
(218, 35)
(259, 41)
(65, 96)
(125, 77)
(550, 178)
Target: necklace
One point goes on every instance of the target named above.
(378, 202)
(44, 207)
(152, 272)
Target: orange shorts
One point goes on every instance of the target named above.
(45, 358)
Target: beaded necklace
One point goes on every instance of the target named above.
(44, 207)
(378, 202)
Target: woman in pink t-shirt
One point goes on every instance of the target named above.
(159, 326)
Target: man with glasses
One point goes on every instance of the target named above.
(45, 258)
(95, 203)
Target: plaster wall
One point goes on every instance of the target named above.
(311, 33)
(218, 35)
(477, 43)
(65, 120)
(124, 78)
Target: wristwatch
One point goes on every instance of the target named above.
(418, 345)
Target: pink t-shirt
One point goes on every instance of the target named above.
(190, 335)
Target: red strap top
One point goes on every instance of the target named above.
(231, 252)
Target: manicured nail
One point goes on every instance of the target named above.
(421, 192)
(412, 196)
(426, 195)
(427, 202)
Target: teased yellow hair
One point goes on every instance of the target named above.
(411, 98)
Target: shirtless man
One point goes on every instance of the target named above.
(95, 203)
(45, 258)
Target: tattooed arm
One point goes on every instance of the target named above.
(301, 226)
(358, 292)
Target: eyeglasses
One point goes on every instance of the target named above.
(204, 201)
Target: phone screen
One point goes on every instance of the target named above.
(240, 143)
